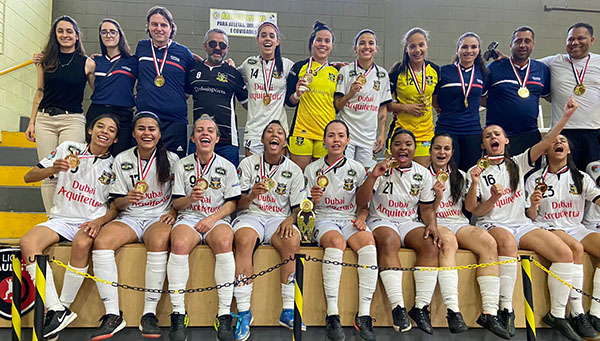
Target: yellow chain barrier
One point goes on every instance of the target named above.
(550, 273)
(467, 267)
(81, 273)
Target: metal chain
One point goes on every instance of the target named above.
(550, 273)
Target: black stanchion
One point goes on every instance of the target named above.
(17, 280)
(40, 297)
(528, 295)
(298, 296)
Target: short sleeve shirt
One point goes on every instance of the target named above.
(449, 212)
(115, 79)
(592, 211)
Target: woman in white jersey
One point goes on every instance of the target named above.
(142, 192)
(78, 212)
(205, 192)
(496, 196)
(361, 96)
(272, 189)
(558, 194)
(267, 69)
(450, 189)
(333, 181)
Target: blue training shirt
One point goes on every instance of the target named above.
(455, 118)
(167, 101)
(115, 88)
(505, 108)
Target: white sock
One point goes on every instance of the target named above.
(287, 292)
(224, 273)
(595, 307)
(156, 271)
(559, 293)
(575, 302)
(448, 281)
(331, 279)
(367, 279)
(508, 278)
(243, 295)
(392, 282)
(425, 282)
(489, 286)
(52, 301)
(178, 272)
(105, 267)
(71, 285)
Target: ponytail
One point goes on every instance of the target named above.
(457, 181)
(513, 171)
(575, 173)
(278, 60)
(163, 166)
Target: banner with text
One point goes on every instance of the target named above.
(239, 23)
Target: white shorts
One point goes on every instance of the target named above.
(401, 227)
(344, 226)
(518, 231)
(454, 227)
(593, 227)
(254, 146)
(264, 226)
(191, 221)
(360, 154)
(577, 232)
(139, 226)
(64, 228)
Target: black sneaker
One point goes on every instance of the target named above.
(179, 324)
(562, 326)
(149, 326)
(334, 328)
(494, 325)
(401, 321)
(508, 320)
(225, 328)
(57, 320)
(111, 324)
(594, 321)
(582, 326)
(421, 318)
(364, 326)
(456, 323)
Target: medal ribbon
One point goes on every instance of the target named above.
(206, 168)
(522, 82)
(262, 171)
(317, 70)
(87, 150)
(579, 76)
(563, 169)
(268, 79)
(146, 169)
(431, 170)
(496, 158)
(404, 170)
(366, 73)
(332, 166)
(423, 87)
(467, 91)
(164, 59)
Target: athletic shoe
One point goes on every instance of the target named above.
(225, 328)
(335, 332)
(494, 325)
(286, 319)
(57, 320)
(582, 326)
(111, 324)
(364, 326)
(179, 324)
(594, 321)
(149, 326)
(421, 318)
(242, 328)
(508, 320)
(401, 321)
(456, 323)
(562, 326)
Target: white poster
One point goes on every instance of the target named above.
(239, 23)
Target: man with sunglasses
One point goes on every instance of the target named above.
(213, 83)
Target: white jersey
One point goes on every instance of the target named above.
(157, 201)
(592, 211)
(361, 111)
(223, 184)
(398, 193)
(279, 201)
(510, 208)
(562, 205)
(450, 212)
(339, 197)
(81, 193)
(563, 82)
(259, 114)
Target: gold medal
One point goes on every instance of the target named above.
(542, 187)
(579, 89)
(362, 79)
(73, 161)
(141, 186)
(308, 78)
(267, 99)
(322, 181)
(426, 101)
(442, 176)
(484, 162)
(270, 183)
(466, 103)
(306, 205)
(523, 92)
(202, 184)
(393, 162)
(159, 81)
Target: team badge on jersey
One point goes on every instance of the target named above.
(221, 77)
(573, 189)
(252, 61)
(215, 183)
(74, 150)
(340, 79)
(349, 184)
(414, 190)
(352, 73)
(351, 172)
(277, 74)
(332, 77)
(376, 85)
(188, 167)
(52, 154)
(299, 141)
(239, 172)
(418, 177)
(106, 177)
(280, 188)
(286, 174)
(595, 168)
(429, 80)
(126, 166)
(220, 170)
(380, 74)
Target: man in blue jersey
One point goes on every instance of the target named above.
(213, 84)
(163, 65)
(514, 86)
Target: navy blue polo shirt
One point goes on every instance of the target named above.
(167, 101)
(455, 118)
(115, 88)
(505, 108)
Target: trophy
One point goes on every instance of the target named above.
(306, 221)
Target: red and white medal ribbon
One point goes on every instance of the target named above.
(267, 79)
(420, 89)
(262, 170)
(579, 76)
(309, 69)
(560, 171)
(522, 82)
(145, 170)
(332, 166)
(431, 170)
(164, 59)
(496, 158)
(84, 155)
(366, 73)
(466, 91)
(205, 169)
(404, 170)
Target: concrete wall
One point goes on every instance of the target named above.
(25, 30)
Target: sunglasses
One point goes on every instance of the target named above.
(213, 44)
